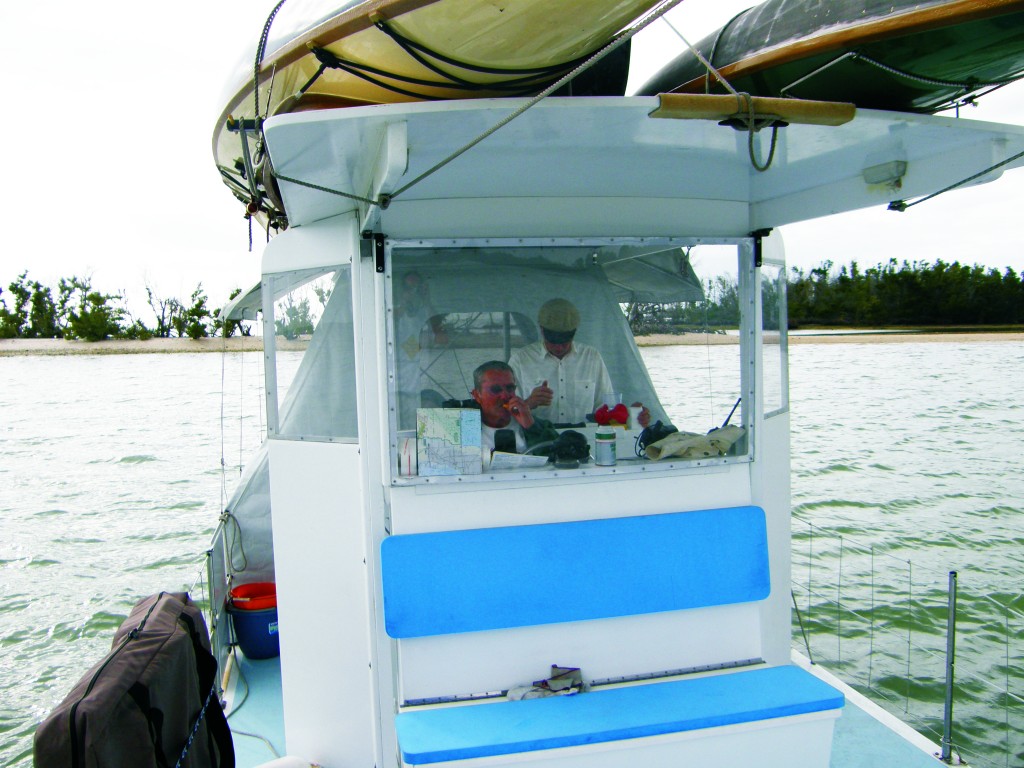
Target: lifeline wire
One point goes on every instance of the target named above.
(628, 35)
(700, 56)
(744, 102)
(385, 199)
(902, 205)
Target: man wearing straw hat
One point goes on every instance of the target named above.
(565, 380)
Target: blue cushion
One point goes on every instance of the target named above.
(509, 727)
(496, 578)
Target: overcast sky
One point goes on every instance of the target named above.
(108, 170)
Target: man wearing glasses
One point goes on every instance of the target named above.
(494, 388)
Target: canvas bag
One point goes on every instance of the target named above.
(139, 707)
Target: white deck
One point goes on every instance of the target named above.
(865, 736)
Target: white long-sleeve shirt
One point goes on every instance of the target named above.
(578, 380)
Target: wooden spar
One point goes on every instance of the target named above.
(691, 106)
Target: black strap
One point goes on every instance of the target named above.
(217, 727)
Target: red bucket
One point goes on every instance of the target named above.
(257, 596)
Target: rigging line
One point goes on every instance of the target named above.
(714, 47)
(357, 69)
(316, 76)
(353, 70)
(902, 205)
(319, 188)
(644, 22)
(261, 49)
(751, 130)
(241, 405)
(742, 100)
(965, 86)
(707, 352)
(700, 56)
(972, 99)
(407, 43)
(223, 463)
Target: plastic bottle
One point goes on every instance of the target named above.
(604, 447)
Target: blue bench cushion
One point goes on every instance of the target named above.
(497, 578)
(510, 727)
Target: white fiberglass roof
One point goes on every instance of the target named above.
(604, 166)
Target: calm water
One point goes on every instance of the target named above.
(111, 485)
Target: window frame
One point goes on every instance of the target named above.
(749, 332)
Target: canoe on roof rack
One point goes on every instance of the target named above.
(901, 55)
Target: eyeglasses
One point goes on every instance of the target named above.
(497, 389)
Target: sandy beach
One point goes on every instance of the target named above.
(13, 347)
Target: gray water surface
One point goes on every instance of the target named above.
(111, 484)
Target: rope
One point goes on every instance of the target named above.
(700, 57)
(965, 86)
(644, 22)
(319, 188)
(744, 101)
(751, 130)
(235, 538)
(714, 47)
(529, 78)
(902, 205)
(261, 49)
(385, 199)
(407, 44)
(195, 728)
(364, 71)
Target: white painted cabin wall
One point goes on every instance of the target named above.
(322, 530)
(456, 506)
(323, 586)
(495, 660)
(770, 487)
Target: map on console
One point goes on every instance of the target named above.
(448, 441)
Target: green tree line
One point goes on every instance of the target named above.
(905, 294)
(888, 295)
(31, 310)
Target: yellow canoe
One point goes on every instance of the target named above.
(387, 51)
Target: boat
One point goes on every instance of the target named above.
(437, 604)
(905, 55)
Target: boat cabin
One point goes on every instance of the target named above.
(423, 583)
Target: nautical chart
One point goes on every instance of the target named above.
(448, 441)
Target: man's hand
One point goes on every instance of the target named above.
(542, 395)
(520, 410)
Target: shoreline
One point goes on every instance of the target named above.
(64, 347)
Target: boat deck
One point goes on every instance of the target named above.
(865, 736)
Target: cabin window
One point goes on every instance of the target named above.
(774, 339)
(457, 304)
(311, 393)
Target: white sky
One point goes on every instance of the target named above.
(108, 170)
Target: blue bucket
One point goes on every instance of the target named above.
(255, 630)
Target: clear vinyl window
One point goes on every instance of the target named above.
(312, 394)
(653, 326)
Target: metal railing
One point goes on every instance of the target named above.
(890, 629)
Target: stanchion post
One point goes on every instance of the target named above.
(947, 719)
